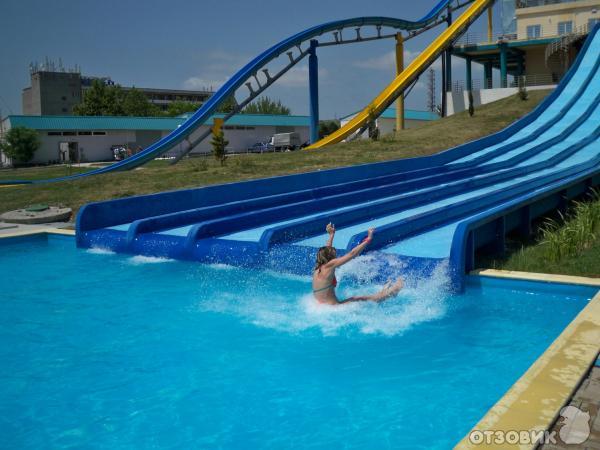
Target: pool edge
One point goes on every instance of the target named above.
(534, 401)
(49, 230)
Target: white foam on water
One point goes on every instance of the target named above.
(422, 300)
(99, 251)
(288, 276)
(219, 266)
(140, 259)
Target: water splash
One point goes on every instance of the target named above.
(99, 251)
(257, 302)
(219, 266)
(139, 260)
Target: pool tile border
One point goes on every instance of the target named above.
(533, 403)
(20, 233)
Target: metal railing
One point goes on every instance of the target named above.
(532, 3)
(557, 51)
(459, 86)
(475, 38)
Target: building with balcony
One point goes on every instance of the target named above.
(538, 42)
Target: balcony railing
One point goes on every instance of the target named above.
(483, 38)
(532, 3)
(459, 86)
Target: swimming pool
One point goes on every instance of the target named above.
(109, 351)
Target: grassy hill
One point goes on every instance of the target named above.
(159, 176)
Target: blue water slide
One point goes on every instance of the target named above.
(203, 114)
(426, 210)
(374, 201)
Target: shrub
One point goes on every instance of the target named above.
(219, 143)
(471, 106)
(523, 94)
(572, 234)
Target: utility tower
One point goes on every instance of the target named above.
(431, 106)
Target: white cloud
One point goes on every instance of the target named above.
(217, 67)
(298, 77)
(386, 62)
(198, 83)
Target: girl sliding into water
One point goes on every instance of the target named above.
(324, 281)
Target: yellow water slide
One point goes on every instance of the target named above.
(404, 79)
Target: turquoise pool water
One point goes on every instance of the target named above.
(108, 351)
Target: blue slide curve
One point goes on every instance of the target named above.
(428, 211)
(203, 114)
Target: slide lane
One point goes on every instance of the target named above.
(437, 242)
(348, 236)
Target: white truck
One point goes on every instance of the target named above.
(285, 141)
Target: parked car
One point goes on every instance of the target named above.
(260, 147)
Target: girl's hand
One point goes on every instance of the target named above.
(370, 232)
(330, 228)
(369, 237)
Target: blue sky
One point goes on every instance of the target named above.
(182, 44)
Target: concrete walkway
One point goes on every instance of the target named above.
(13, 229)
(587, 399)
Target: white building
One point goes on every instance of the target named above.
(90, 138)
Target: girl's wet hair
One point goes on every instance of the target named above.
(324, 255)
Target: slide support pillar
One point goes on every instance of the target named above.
(446, 69)
(313, 85)
(444, 94)
(525, 227)
(500, 241)
(469, 74)
(487, 75)
(449, 56)
(399, 68)
(503, 66)
(490, 29)
(470, 252)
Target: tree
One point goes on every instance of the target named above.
(93, 101)
(135, 103)
(265, 105)
(228, 105)
(178, 108)
(219, 144)
(326, 127)
(102, 100)
(20, 144)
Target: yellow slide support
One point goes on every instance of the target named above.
(408, 75)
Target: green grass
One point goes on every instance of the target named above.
(533, 259)
(159, 176)
(566, 245)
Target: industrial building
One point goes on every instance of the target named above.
(95, 138)
(55, 91)
(538, 41)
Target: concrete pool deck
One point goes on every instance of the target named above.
(564, 374)
(534, 402)
(14, 230)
